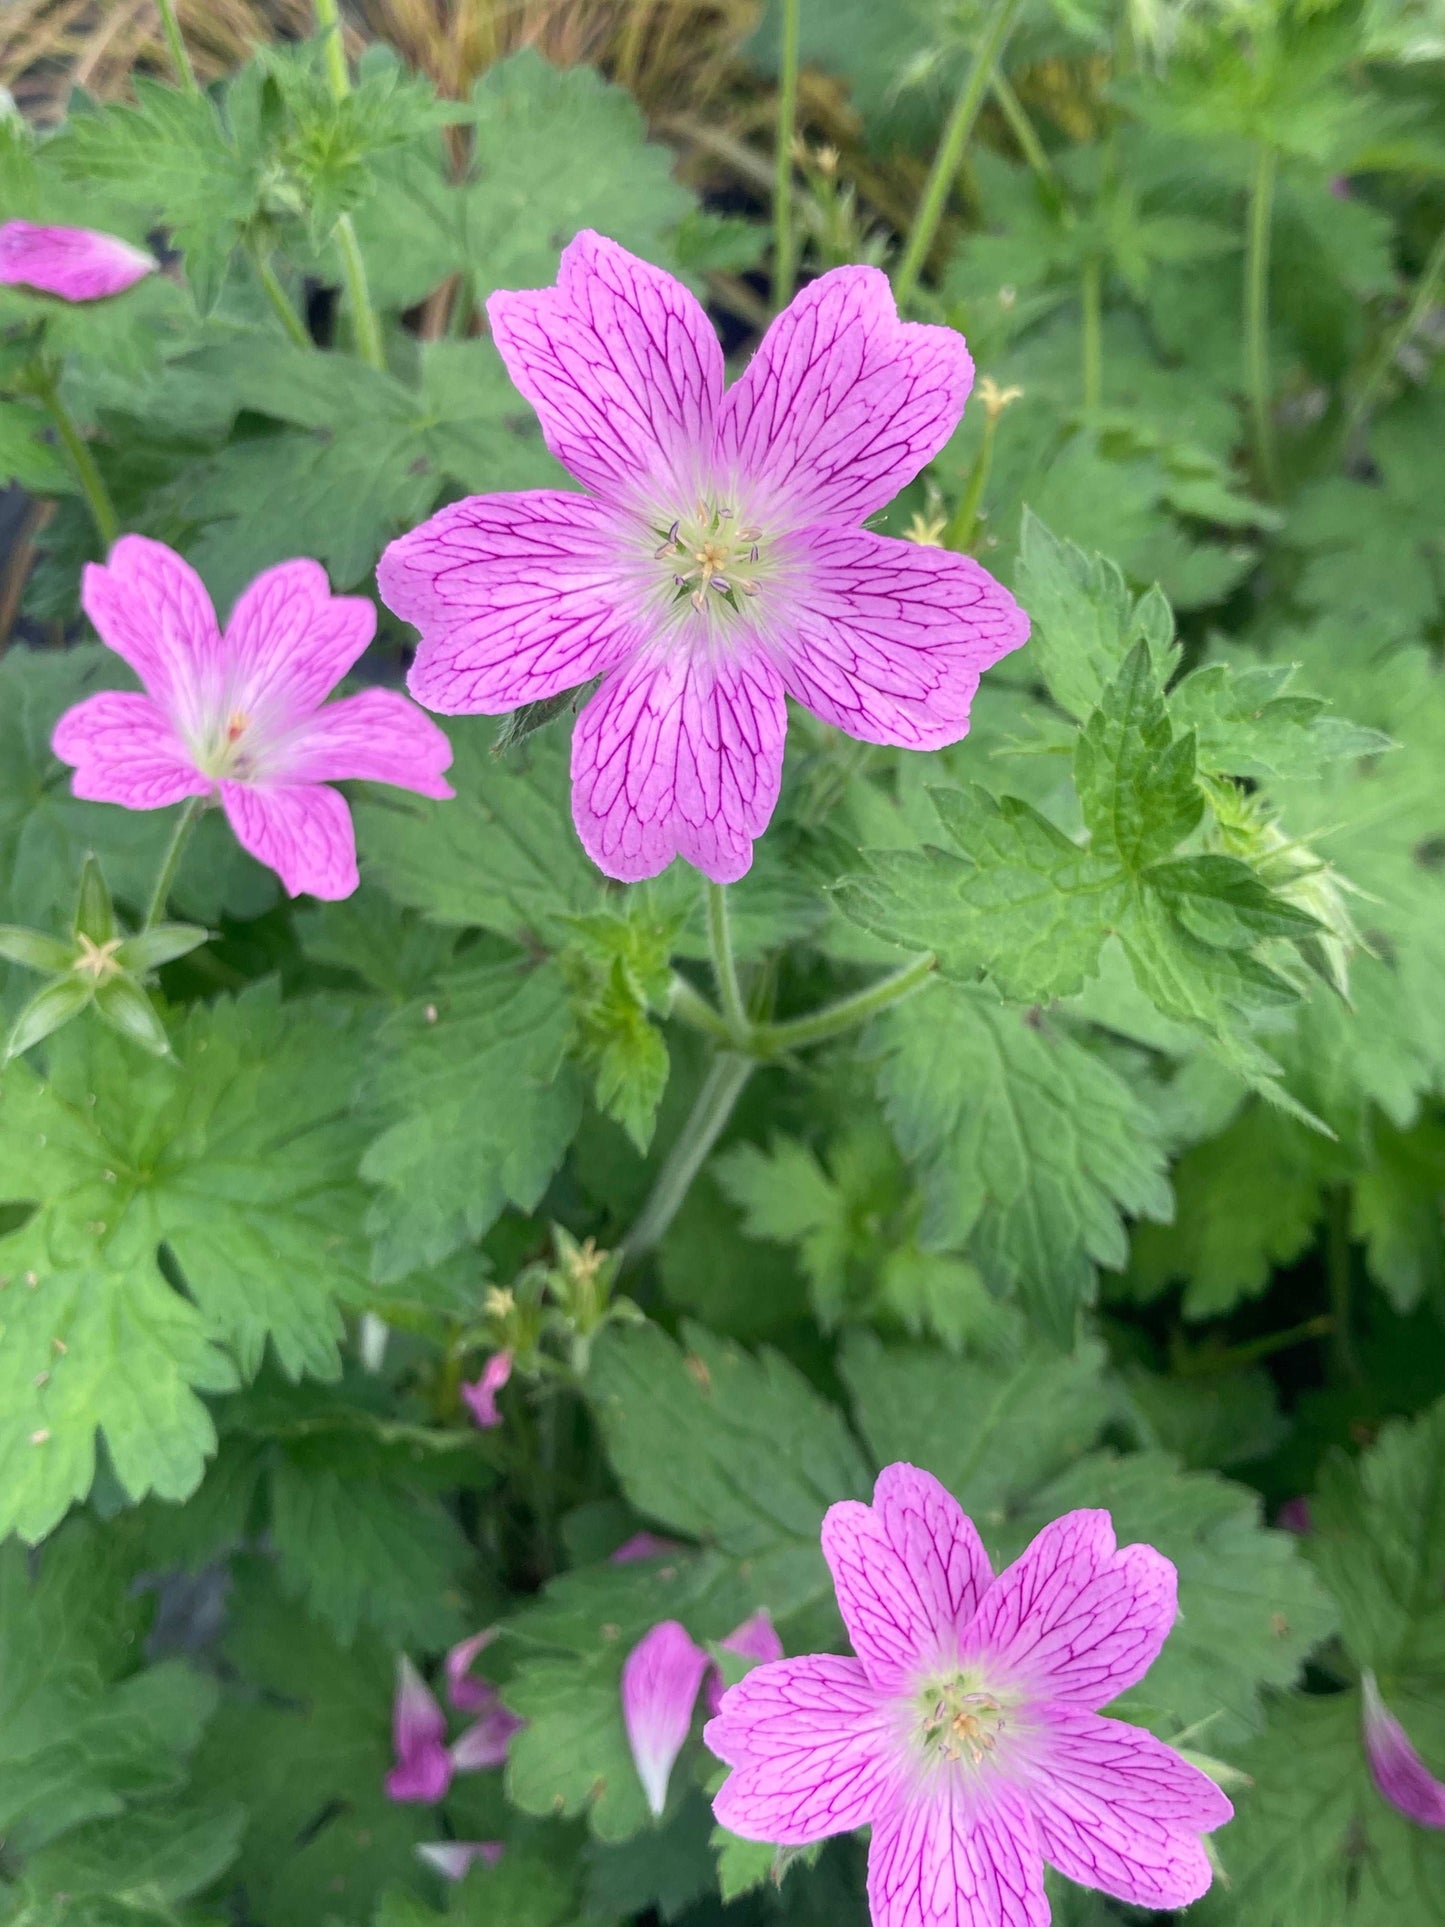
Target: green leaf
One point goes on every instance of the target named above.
(1246, 723)
(1085, 622)
(239, 1158)
(26, 459)
(1135, 778)
(1223, 903)
(1397, 1211)
(478, 1107)
(1028, 1146)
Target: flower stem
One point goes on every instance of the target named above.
(693, 1009)
(92, 484)
(724, 965)
(1023, 129)
(721, 1090)
(832, 1020)
(1425, 291)
(1256, 316)
(785, 246)
(959, 533)
(328, 24)
(363, 315)
(951, 148)
(1092, 291)
(175, 42)
(285, 312)
(170, 862)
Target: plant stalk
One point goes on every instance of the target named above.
(962, 524)
(1426, 289)
(693, 1009)
(721, 1090)
(773, 1040)
(951, 149)
(286, 313)
(176, 45)
(92, 483)
(363, 316)
(171, 861)
(1023, 129)
(724, 965)
(1092, 291)
(328, 24)
(785, 243)
(1256, 316)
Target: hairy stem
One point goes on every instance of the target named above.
(363, 315)
(785, 243)
(721, 1090)
(285, 312)
(171, 861)
(1426, 289)
(1256, 316)
(951, 149)
(176, 46)
(773, 1040)
(92, 484)
(328, 24)
(724, 965)
(694, 1010)
(1092, 292)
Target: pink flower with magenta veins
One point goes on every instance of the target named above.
(717, 563)
(241, 716)
(76, 263)
(966, 1732)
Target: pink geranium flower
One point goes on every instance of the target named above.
(240, 715)
(717, 563)
(481, 1394)
(1396, 1768)
(74, 262)
(661, 1678)
(966, 1732)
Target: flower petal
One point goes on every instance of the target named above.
(152, 609)
(301, 831)
(77, 263)
(486, 1741)
(842, 404)
(377, 736)
(622, 366)
(1119, 1810)
(889, 639)
(644, 1545)
(517, 597)
(466, 1694)
(124, 750)
(289, 642)
(454, 1859)
(423, 1770)
(679, 756)
(1073, 1619)
(945, 1859)
(1396, 1768)
(909, 1571)
(481, 1395)
(660, 1681)
(756, 1639)
(812, 1749)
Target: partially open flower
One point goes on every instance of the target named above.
(76, 263)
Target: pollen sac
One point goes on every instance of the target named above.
(702, 551)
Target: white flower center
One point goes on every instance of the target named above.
(960, 1721)
(712, 559)
(227, 755)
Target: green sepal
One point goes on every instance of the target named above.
(126, 1008)
(149, 949)
(52, 1005)
(34, 950)
(94, 911)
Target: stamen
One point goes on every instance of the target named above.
(699, 601)
(722, 586)
(753, 553)
(747, 586)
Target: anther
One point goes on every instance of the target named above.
(753, 553)
(721, 584)
(699, 601)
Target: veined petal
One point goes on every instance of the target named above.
(842, 404)
(76, 263)
(423, 1770)
(378, 736)
(950, 1859)
(909, 1570)
(152, 609)
(481, 1395)
(1119, 1810)
(1396, 1768)
(123, 750)
(660, 1681)
(289, 641)
(677, 755)
(517, 597)
(301, 831)
(813, 1750)
(889, 638)
(621, 364)
(756, 1639)
(1074, 1619)
(454, 1859)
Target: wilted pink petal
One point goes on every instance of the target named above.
(486, 1740)
(1397, 1769)
(660, 1681)
(1294, 1516)
(238, 717)
(717, 563)
(466, 1694)
(423, 1769)
(481, 1396)
(644, 1545)
(965, 1733)
(76, 263)
(756, 1639)
(454, 1859)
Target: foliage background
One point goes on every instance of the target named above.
(1137, 1203)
